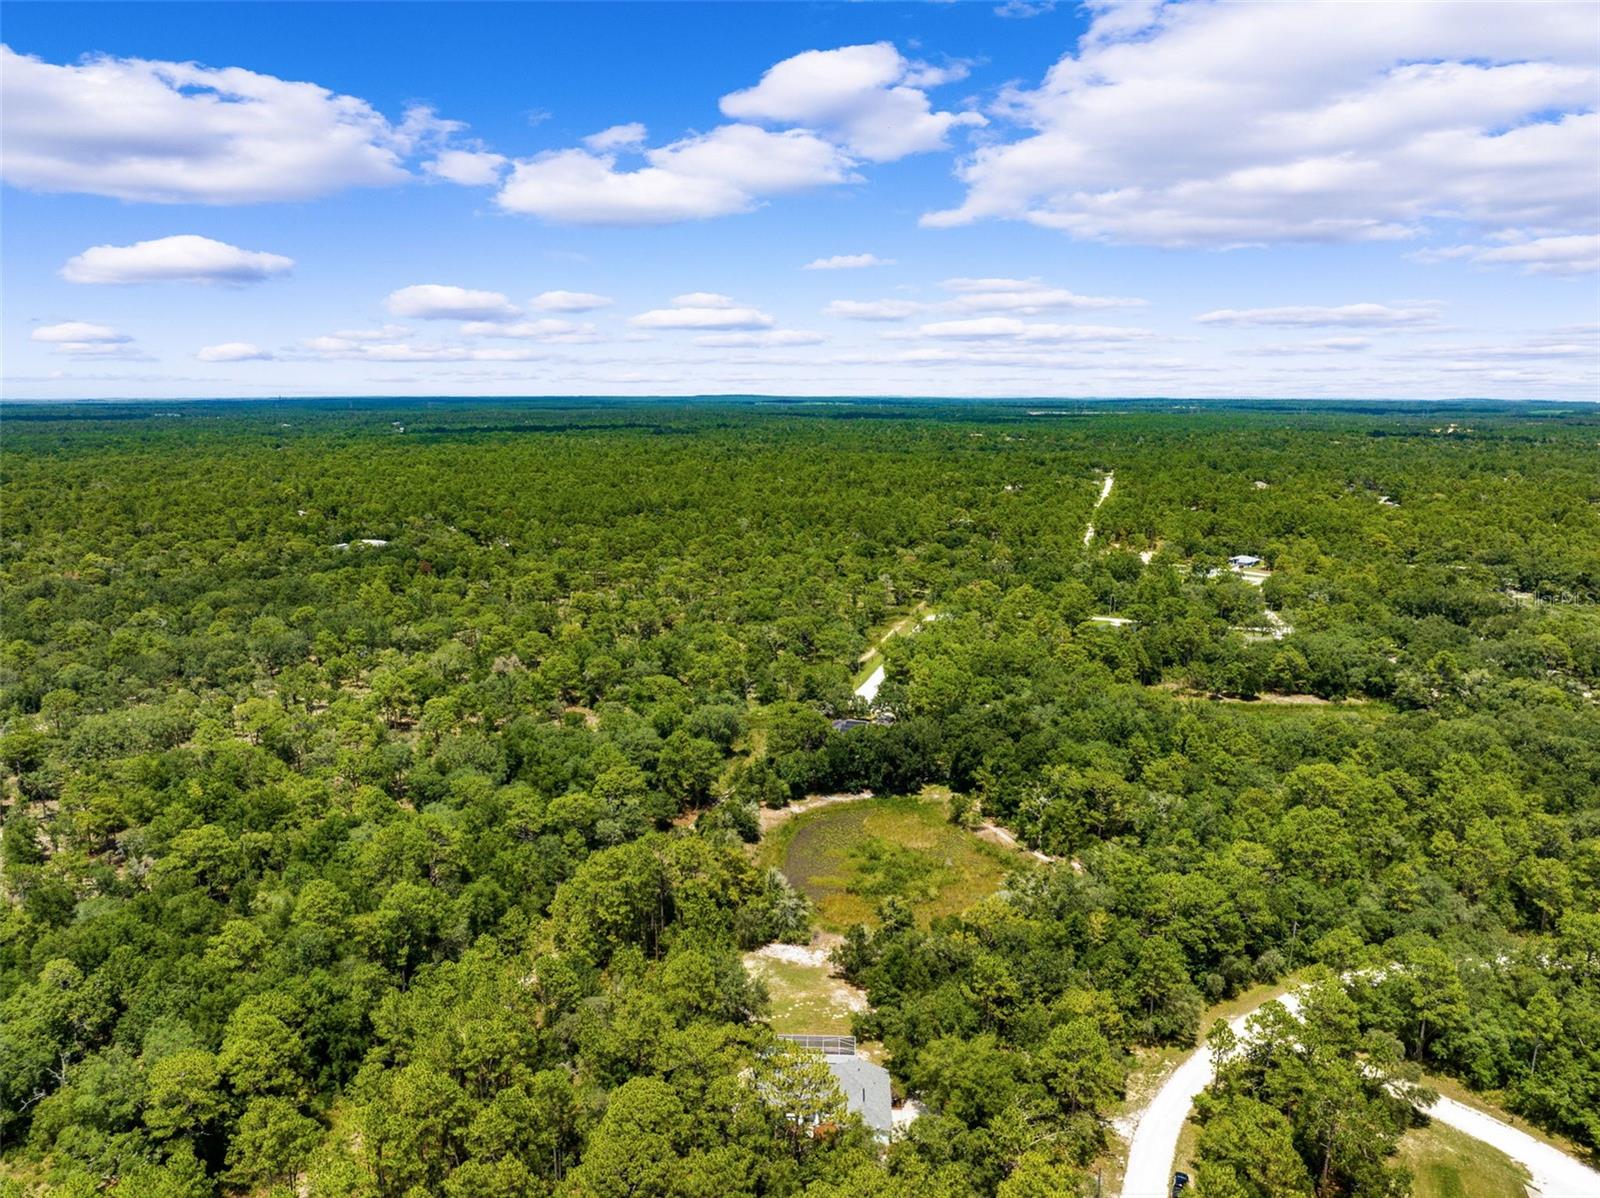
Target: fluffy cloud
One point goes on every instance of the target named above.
(985, 328)
(1577, 254)
(1367, 316)
(867, 98)
(233, 351)
(844, 106)
(728, 170)
(470, 168)
(1026, 296)
(569, 301)
(618, 137)
(80, 339)
(703, 310)
(769, 339)
(886, 309)
(547, 329)
(183, 259)
(434, 301)
(175, 132)
(1225, 124)
(847, 262)
(78, 331)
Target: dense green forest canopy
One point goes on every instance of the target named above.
(379, 780)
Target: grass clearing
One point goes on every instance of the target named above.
(849, 857)
(805, 999)
(1445, 1163)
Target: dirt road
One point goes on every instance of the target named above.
(1552, 1173)
(1105, 493)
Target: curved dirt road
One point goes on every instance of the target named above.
(1552, 1173)
(1155, 1135)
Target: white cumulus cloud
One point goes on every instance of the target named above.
(728, 170)
(847, 262)
(78, 331)
(470, 168)
(545, 329)
(569, 301)
(868, 98)
(1229, 124)
(809, 122)
(82, 339)
(435, 301)
(186, 258)
(179, 132)
(233, 351)
(703, 310)
(1574, 254)
(618, 137)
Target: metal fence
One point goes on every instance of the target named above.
(833, 1046)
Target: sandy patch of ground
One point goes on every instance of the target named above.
(1007, 839)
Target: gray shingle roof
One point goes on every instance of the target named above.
(866, 1090)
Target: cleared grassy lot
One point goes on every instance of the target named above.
(850, 857)
(805, 997)
(1444, 1163)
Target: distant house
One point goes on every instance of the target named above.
(865, 1086)
(1243, 561)
(848, 722)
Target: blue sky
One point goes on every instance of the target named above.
(1117, 199)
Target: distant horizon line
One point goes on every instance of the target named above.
(761, 397)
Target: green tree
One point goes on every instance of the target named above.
(1246, 1150)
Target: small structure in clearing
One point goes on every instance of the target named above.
(1243, 561)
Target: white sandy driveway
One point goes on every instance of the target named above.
(1552, 1173)
(1105, 493)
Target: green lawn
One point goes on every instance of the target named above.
(848, 858)
(1446, 1164)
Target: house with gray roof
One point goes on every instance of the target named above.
(865, 1085)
